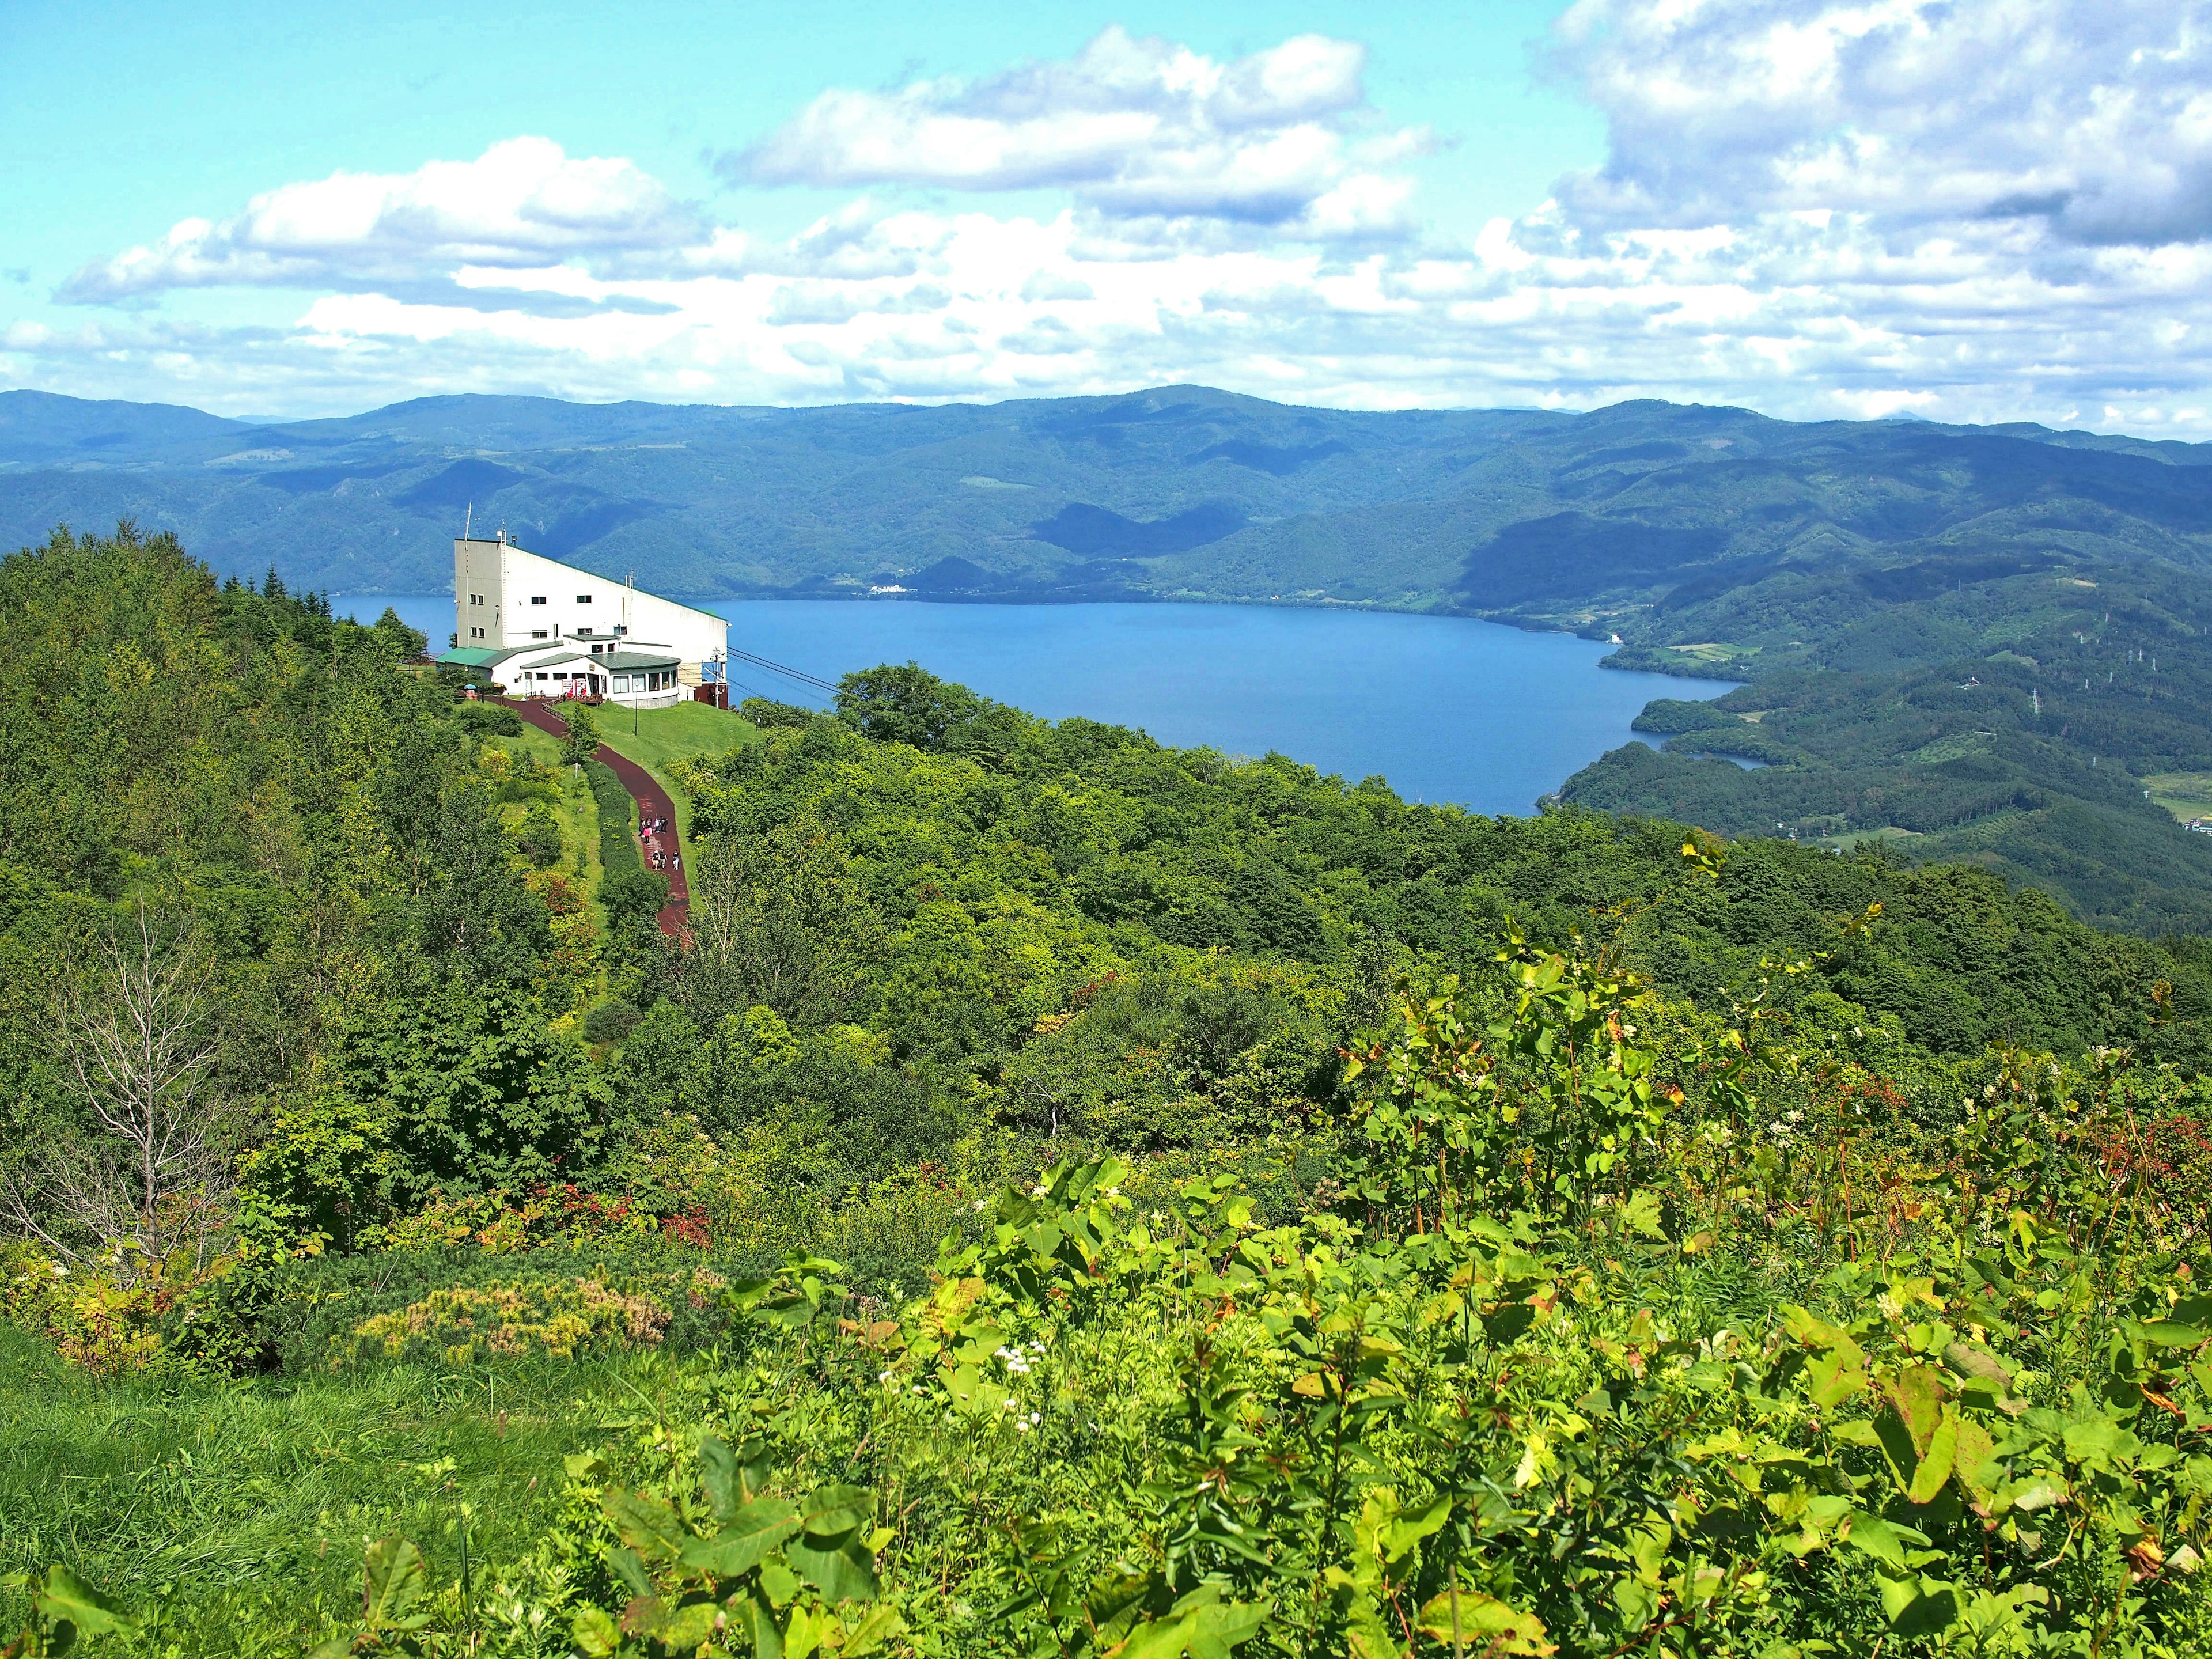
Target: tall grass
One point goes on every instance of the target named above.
(230, 1517)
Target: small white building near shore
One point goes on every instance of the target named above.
(545, 628)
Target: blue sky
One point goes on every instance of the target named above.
(1812, 207)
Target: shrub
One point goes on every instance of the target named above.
(466, 1326)
(618, 819)
(487, 719)
(538, 837)
(610, 1022)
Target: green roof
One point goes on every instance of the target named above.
(481, 656)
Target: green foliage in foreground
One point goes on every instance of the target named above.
(1566, 1363)
(1523, 1235)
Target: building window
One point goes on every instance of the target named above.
(622, 682)
(538, 634)
(475, 598)
(583, 599)
(537, 598)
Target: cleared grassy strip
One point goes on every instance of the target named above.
(657, 738)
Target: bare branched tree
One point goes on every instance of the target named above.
(135, 1044)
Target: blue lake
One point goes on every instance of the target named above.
(1447, 708)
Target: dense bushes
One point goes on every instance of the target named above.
(1539, 1235)
(1554, 1360)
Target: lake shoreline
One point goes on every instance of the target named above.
(709, 601)
(1446, 707)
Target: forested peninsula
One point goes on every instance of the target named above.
(1060, 1195)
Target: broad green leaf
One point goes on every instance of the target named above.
(842, 1570)
(882, 1623)
(1402, 1534)
(1204, 1633)
(648, 1525)
(393, 1587)
(745, 1540)
(595, 1633)
(1918, 1605)
(2170, 1333)
(1872, 1535)
(835, 1509)
(685, 1627)
(1833, 1377)
(1485, 1624)
(2034, 1492)
(1216, 1631)
(1641, 1214)
(2092, 1440)
(1918, 1394)
(1937, 1459)
(1818, 1333)
(1159, 1638)
(1116, 1599)
(1973, 1463)
(66, 1596)
(719, 1476)
(759, 1625)
(779, 1582)
(1970, 1360)
(804, 1633)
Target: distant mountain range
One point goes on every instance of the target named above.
(1180, 492)
(1985, 643)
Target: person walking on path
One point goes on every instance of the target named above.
(652, 803)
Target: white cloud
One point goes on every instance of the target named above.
(522, 202)
(1134, 127)
(2095, 118)
(1819, 208)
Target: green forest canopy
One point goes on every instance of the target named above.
(1809, 1239)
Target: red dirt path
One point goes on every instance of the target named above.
(652, 803)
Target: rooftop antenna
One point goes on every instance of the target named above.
(468, 524)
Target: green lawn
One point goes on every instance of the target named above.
(662, 736)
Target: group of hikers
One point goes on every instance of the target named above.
(660, 857)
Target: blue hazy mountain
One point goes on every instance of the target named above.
(1180, 491)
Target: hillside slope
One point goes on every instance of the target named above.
(1975, 642)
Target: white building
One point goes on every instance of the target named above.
(540, 627)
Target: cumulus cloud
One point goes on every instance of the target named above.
(1134, 126)
(2094, 119)
(1814, 207)
(523, 202)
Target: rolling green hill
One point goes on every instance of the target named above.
(1976, 642)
